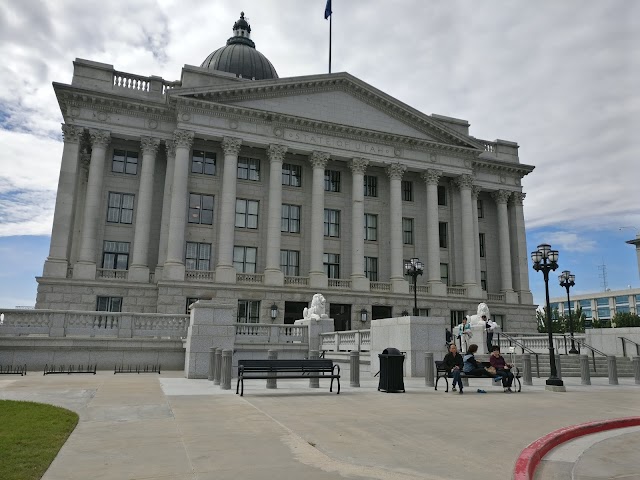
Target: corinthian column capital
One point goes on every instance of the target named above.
(475, 192)
(395, 171)
(501, 196)
(431, 176)
(517, 198)
(359, 165)
(319, 159)
(231, 145)
(99, 138)
(276, 152)
(464, 181)
(71, 133)
(170, 148)
(149, 145)
(182, 138)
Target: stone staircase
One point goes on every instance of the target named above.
(570, 365)
(342, 359)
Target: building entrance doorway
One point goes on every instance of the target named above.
(380, 311)
(341, 314)
(293, 311)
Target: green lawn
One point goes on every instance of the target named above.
(30, 436)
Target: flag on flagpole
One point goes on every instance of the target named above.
(327, 10)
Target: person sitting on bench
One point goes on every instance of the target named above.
(453, 363)
(471, 366)
(503, 369)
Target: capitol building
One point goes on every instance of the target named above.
(232, 183)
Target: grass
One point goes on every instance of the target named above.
(31, 434)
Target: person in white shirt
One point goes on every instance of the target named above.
(464, 334)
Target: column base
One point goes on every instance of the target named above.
(474, 291)
(555, 388)
(84, 271)
(138, 273)
(399, 285)
(55, 267)
(438, 289)
(511, 297)
(225, 274)
(273, 277)
(526, 297)
(360, 283)
(173, 271)
(318, 280)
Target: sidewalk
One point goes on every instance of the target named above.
(167, 427)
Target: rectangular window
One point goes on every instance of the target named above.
(622, 304)
(290, 262)
(190, 301)
(481, 240)
(120, 208)
(244, 259)
(331, 263)
(203, 162)
(109, 304)
(604, 312)
(248, 169)
(198, 256)
(246, 213)
(115, 255)
(442, 195)
(483, 279)
(248, 311)
(290, 221)
(407, 231)
(371, 268)
(331, 181)
(500, 320)
(444, 273)
(407, 191)
(370, 186)
(201, 209)
(291, 175)
(442, 229)
(480, 209)
(331, 223)
(125, 162)
(586, 308)
(370, 227)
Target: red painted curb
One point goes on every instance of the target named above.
(531, 456)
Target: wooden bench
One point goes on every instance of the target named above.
(441, 372)
(279, 369)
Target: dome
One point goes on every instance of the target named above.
(240, 56)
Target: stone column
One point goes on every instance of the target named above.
(317, 277)
(521, 273)
(431, 177)
(469, 237)
(358, 279)
(272, 273)
(225, 271)
(174, 265)
(501, 197)
(85, 268)
(139, 269)
(58, 259)
(475, 192)
(398, 283)
(166, 208)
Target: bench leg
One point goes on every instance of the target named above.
(337, 380)
(519, 385)
(238, 384)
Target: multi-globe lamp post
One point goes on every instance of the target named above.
(545, 260)
(414, 267)
(568, 280)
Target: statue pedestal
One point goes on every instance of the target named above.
(479, 338)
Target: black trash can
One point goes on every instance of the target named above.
(391, 370)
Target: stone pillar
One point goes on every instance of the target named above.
(469, 238)
(558, 365)
(354, 368)
(225, 271)
(526, 367)
(636, 369)
(398, 283)
(585, 374)
(314, 382)
(85, 268)
(218, 366)
(225, 380)
(272, 273)
(317, 277)
(501, 197)
(139, 269)
(428, 369)
(166, 208)
(475, 192)
(431, 178)
(271, 377)
(612, 369)
(212, 364)
(58, 260)
(520, 255)
(358, 279)
(174, 265)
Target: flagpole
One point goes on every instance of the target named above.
(330, 18)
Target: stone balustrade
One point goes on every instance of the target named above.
(456, 291)
(271, 333)
(104, 273)
(496, 297)
(380, 287)
(347, 340)
(301, 281)
(539, 343)
(199, 275)
(250, 278)
(339, 283)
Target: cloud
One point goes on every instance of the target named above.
(569, 241)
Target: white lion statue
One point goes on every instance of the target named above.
(317, 309)
(483, 309)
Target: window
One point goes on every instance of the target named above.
(248, 311)
(198, 256)
(331, 263)
(442, 195)
(457, 316)
(190, 301)
(370, 186)
(423, 312)
(442, 230)
(115, 255)
(290, 262)
(125, 162)
(586, 308)
(480, 209)
(246, 213)
(244, 259)
(444, 273)
(481, 240)
(371, 268)
(407, 191)
(407, 231)
(331, 181)
(291, 175)
(331, 223)
(483, 279)
(201, 209)
(203, 162)
(109, 304)
(622, 304)
(120, 208)
(604, 312)
(290, 221)
(500, 320)
(248, 169)
(370, 227)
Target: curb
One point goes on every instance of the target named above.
(531, 456)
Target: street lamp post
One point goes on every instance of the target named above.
(546, 260)
(414, 267)
(568, 280)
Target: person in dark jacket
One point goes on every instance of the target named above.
(471, 365)
(503, 369)
(453, 363)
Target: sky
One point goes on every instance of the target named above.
(559, 78)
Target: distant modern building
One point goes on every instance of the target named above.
(233, 183)
(600, 305)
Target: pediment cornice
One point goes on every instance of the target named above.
(496, 166)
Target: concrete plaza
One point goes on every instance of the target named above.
(153, 426)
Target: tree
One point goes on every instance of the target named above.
(560, 323)
(625, 319)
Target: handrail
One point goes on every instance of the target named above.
(524, 349)
(593, 351)
(624, 347)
